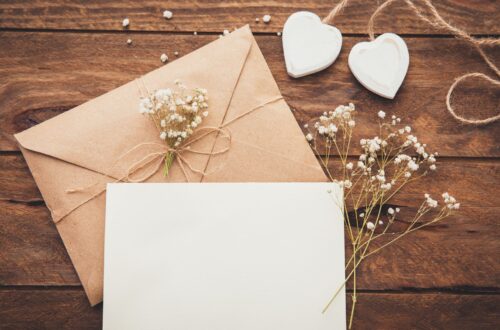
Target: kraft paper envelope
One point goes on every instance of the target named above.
(270, 257)
(84, 147)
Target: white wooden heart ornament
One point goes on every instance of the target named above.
(309, 45)
(380, 65)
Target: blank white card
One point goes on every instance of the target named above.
(223, 256)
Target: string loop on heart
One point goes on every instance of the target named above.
(334, 12)
(433, 18)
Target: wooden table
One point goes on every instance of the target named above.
(55, 55)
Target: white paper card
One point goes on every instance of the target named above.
(223, 256)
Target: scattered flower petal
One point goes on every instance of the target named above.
(167, 14)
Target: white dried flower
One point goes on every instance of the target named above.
(432, 167)
(125, 22)
(370, 225)
(390, 211)
(412, 166)
(225, 32)
(432, 203)
(381, 114)
(145, 105)
(349, 166)
(450, 201)
(167, 14)
(386, 186)
(351, 123)
(309, 137)
(164, 58)
(129, 41)
(266, 18)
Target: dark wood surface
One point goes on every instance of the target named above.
(55, 55)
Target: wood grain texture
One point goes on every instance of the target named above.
(55, 55)
(473, 181)
(476, 16)
(44, 74)
(443, 256)
(69, 309)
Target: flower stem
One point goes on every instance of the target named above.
(169, 160)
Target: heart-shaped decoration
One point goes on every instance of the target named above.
(309, 45)
(380, 65)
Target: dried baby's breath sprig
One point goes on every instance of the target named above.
(388, 162)
(167, 14)
(176, 114)
(266, 18)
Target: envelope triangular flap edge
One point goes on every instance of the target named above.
(95, 134)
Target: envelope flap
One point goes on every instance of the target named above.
(97, 133)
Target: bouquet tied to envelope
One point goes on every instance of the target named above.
(85, 146)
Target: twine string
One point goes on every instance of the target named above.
(329, 19)
(433, 18)
(152, 162)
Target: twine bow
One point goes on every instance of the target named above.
(153, 161)
(158, 158)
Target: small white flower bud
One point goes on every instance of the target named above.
(167, 14)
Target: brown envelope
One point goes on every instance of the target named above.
(81, 147)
